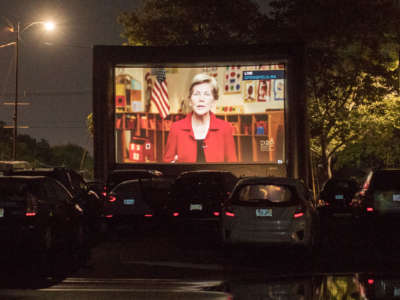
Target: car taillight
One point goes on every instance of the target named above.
(216, 213)
(108, 216)
(298, 213)
(370, 209)
(112, 198)
(148, 215)
(31, 206)
(175, 214)
(229, 212)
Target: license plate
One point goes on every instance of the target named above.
(339, 197)
(396, 291)
(196, 207)
(1, 212)
(263, 212)
(396, 197)
(129, 201)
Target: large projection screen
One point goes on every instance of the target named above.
(148, 103)
(231, 113)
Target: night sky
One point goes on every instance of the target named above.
(56, 78)
(56, 67)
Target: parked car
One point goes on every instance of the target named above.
(39, 216)
(91, 203)
(10, 165)
(379, 197)
(119, 175)
(137, 203)
(335, 198)
(196, 198)
(270, 211)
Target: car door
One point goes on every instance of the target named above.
(64, 214)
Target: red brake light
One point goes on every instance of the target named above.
(108, 216)
(148, 215)
(30, 214)
(370, 281)
(298, 215)
(112, 198)
(229, 214)
(216, 213)
(370, 209)
(175, 214)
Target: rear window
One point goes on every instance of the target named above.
(119, 177)
(266, 193)
(386, 180)
(17, 191)
(209, 182)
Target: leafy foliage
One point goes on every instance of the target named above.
(352, 57)
(191, 22)
(41, 154)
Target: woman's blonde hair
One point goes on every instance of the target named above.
(204, 78)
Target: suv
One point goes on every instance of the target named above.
(117, 176)
(380, 194)
(378, 203)
(88, 199)
(196, 197)
(10, 165)
(336, 197)
(38, 215)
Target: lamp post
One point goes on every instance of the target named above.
(48, 26)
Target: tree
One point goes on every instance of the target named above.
(378, 146)
(351, 61)
(192, 22)
(5, 142)
(70, 155)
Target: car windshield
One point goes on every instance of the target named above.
(387, 180)
(256, 193)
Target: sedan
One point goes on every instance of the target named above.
(270, 211)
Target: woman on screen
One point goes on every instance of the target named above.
(201, 136)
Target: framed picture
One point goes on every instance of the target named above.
(279, 91)
(232, 80)
(264, 91)
(250, 92)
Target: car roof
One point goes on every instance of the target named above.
(21, 178)
(123, 171)
(204, 172)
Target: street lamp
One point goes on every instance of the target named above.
(47, 26)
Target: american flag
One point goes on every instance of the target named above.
(159, 94)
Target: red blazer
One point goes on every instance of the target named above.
(219, 142)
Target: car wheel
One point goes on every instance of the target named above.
(80, 236)
(47, 239)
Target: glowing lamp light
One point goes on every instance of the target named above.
(49, 26)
